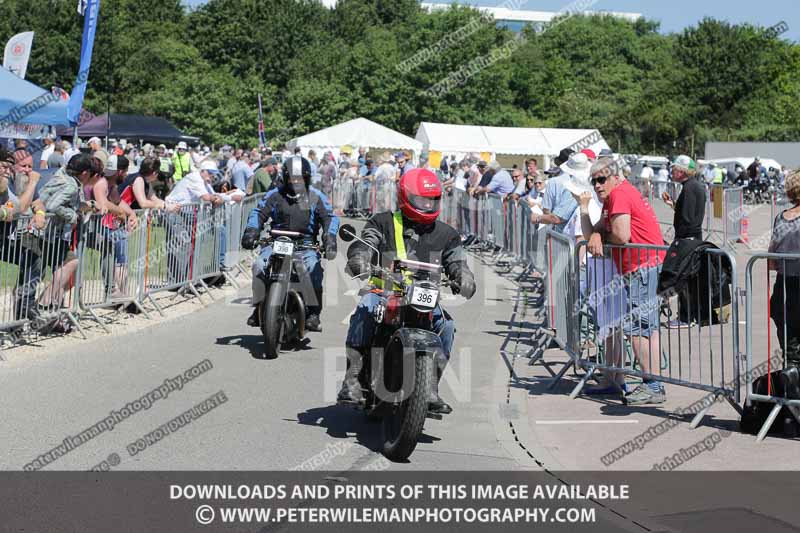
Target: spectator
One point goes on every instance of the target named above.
(784, 303)
(660, 180)
(137, 190)
(97, 150)
(531, 168)
(535, 189)
(182, 162)
(49, 148)
(501, 182)
(754, 169)
(520, 184)
(590, 155)
(627, 219)
(23, 168)
(265, 178)
(709, 173)
(558, 204)
(56, 158)
(690, 208)
(646, 175)
(166, 168)
(119, 222)
(403, 164)
(194, 188)
(62, 197)
(241, 173)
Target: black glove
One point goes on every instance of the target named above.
(250, 238)
(329, 243)
(358, 265)
(465, 285)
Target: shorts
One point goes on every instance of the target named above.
(644, 305)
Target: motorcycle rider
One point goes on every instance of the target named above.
(294, 206)
(425, 239)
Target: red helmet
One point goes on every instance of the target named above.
(419, 196)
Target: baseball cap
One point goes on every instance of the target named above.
(112, 165)
(210, 166)
(399, 155)
(553, 171)
(95, 140)
(685, 162)
(270, 161)
(589, 153)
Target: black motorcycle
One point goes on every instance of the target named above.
(398, 373)
(283, 309)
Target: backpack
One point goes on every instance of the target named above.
(785, 384)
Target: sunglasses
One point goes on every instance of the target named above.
(601, 180)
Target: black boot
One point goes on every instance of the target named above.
(254, 320)
(351, 388)
(435, 403)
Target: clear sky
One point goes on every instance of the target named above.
(675, 15)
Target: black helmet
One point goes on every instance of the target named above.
(296, 166)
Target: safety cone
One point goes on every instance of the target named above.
(743, 237)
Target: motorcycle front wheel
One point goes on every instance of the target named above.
(402, 427)
(272, 320)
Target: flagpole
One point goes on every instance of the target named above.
(262, 137)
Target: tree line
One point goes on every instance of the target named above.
(203, 68)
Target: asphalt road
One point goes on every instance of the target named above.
(279, 414)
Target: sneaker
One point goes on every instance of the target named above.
(313, 323)
(678, 324)
(644, 394)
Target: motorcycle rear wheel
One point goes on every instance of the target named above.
(402, 428)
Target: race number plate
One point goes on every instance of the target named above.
(424, 297)
(283, 248)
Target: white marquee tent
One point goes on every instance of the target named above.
(358, 132)
(545, 142)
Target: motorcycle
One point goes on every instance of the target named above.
(400, 369)
(282, 310)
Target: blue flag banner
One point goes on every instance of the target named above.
(90, 16)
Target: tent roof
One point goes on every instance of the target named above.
(16, 93)
(154, 129)
(357, 132)
(512, 141)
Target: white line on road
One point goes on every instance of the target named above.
(565, 422)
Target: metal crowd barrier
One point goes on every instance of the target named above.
(560, 293)
(109, 273)
(628, 329)
(781, 285)
(62, 272)
(733, 211)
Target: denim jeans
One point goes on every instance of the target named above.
(362, 325)
(313, 265)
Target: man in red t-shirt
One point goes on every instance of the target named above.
(627, 219)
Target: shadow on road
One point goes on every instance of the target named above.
(340, 422)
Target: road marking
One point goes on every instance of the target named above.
(564, 422)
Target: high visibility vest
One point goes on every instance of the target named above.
(399, 244)
(719, 176)
(183, 166)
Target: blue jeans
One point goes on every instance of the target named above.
(362, 325)
(644, 306)
(313, 264)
